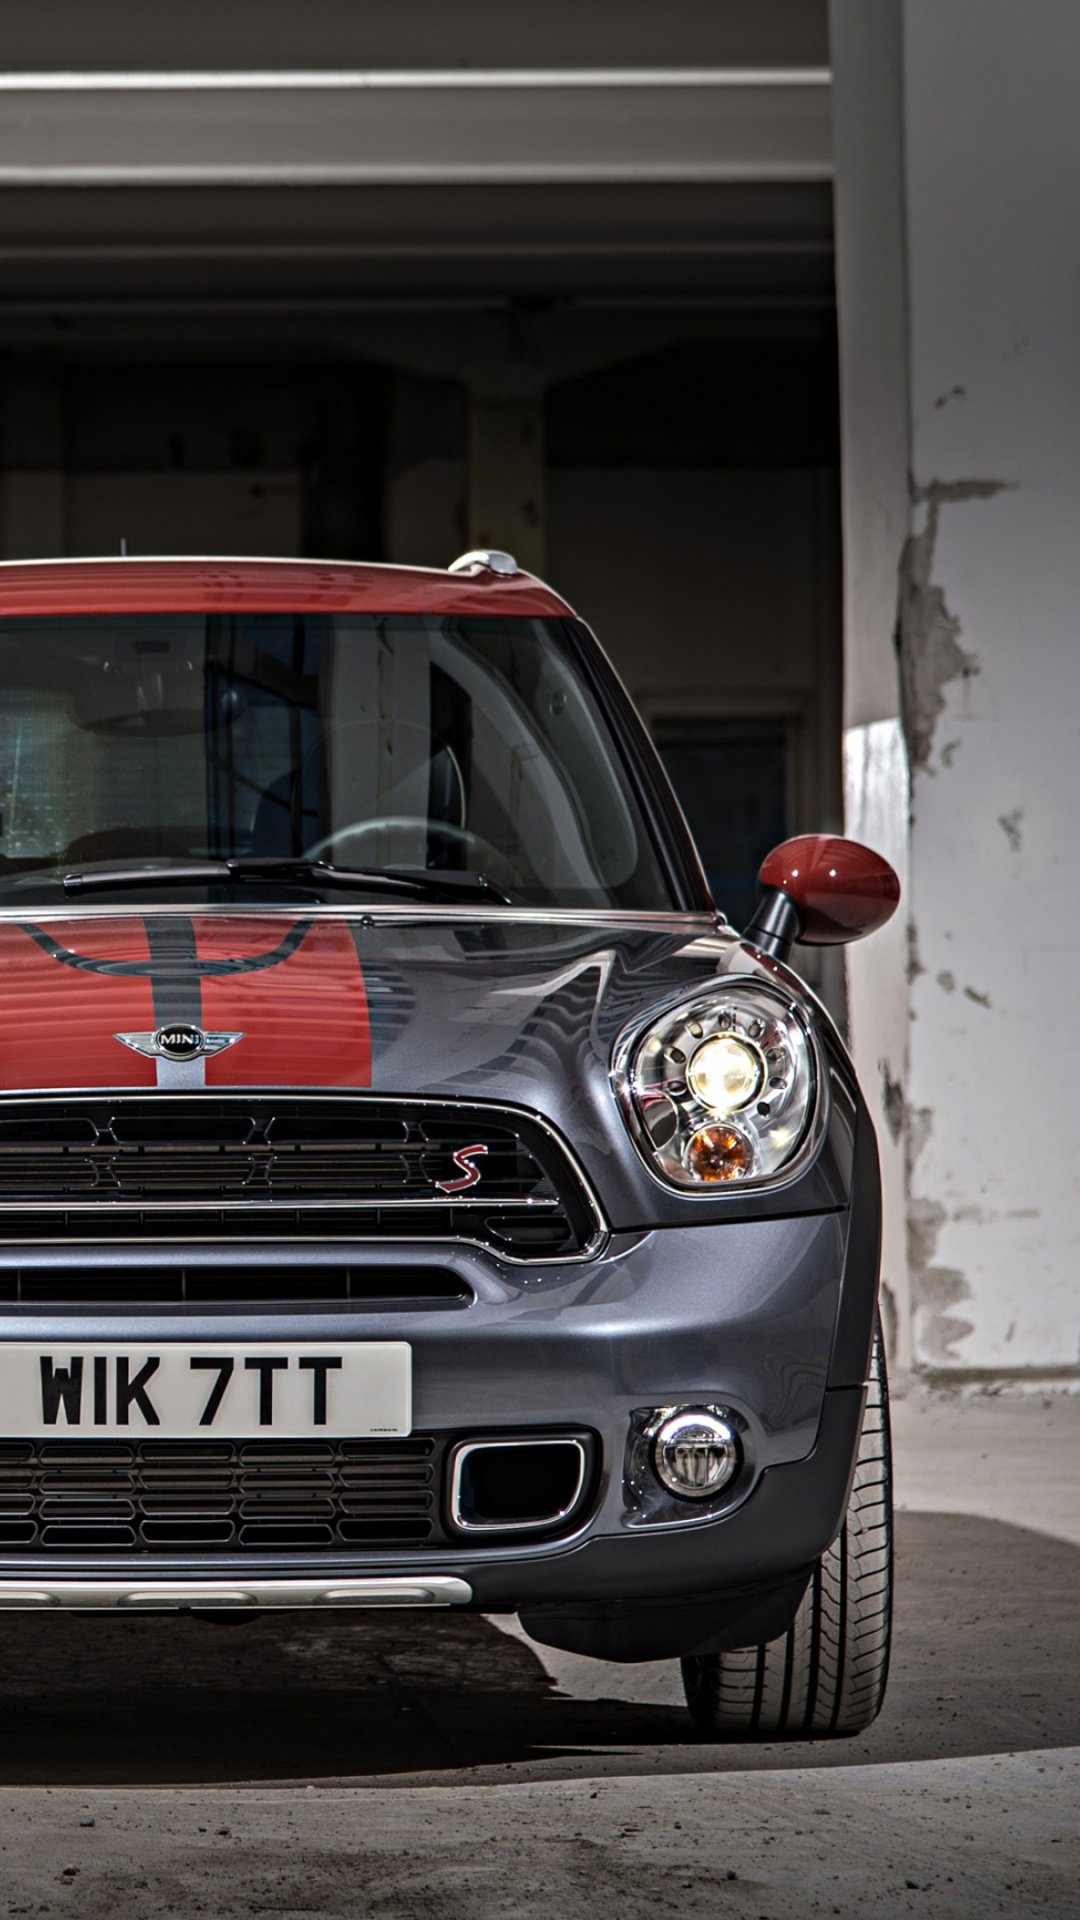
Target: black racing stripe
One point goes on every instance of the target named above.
(194, 968)
(177, 987)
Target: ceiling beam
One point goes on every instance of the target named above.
(447, 126)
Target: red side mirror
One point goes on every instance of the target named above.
(821, 890)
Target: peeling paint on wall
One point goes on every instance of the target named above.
(934, 1289)
(920, 1123)
(914, 964)
(928, 635)
(1010, 827)
(892, 1101)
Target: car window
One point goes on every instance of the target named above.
(404, 742)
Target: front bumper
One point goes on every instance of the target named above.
(749, 1314)
(735, 1580)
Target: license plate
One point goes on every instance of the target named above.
(207, 1389)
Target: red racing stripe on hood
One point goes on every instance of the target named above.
(59, 1021)
(304, 1019)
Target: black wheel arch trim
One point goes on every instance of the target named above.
(856, 1314)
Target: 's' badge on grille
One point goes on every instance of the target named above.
(178, 1042)
(470, 1175)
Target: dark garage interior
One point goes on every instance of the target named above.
(630, 383)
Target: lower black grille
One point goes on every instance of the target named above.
(523, 1234)
(255, 1496)
(171, 1284)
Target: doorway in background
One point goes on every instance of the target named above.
(733, 781)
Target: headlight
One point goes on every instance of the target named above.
(720, 1090)
(726, 1073)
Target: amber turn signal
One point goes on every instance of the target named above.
(718, 1153)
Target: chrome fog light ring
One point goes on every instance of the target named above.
(695, 1453)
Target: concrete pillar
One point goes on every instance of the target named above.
(868, 148)
(991, 653)
(983, 164)
(506, 479)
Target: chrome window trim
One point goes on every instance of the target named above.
(420, 911)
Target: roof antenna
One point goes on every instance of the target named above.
(123, 546)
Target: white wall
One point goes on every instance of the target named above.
(992, 141)
(983, 223)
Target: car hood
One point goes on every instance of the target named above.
(514, 1007)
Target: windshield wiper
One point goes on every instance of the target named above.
(429, 882)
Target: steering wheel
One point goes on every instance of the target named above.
(359, 830)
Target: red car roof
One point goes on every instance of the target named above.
(264, 586)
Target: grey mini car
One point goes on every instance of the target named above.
(413, 1192)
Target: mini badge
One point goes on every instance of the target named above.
(179, 1041)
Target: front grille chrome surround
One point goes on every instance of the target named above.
(138, 1166)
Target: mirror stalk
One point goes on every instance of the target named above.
(776, 924)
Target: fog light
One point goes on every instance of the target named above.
(695, 1453)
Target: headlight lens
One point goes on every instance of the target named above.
(726, 1073)
(721, 1090)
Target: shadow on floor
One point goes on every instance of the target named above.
(986, 1659)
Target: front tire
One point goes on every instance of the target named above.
(825, 1677)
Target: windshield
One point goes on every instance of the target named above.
(398, 742)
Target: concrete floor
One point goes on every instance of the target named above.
(405, 1765)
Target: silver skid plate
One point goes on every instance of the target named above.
(170, 1596)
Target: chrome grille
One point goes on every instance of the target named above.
(85, 1166)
